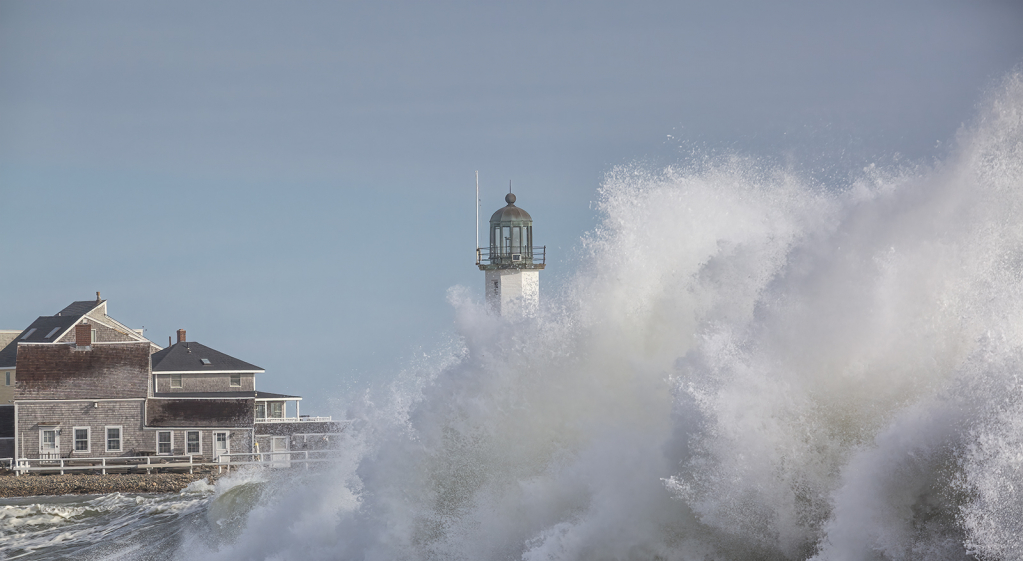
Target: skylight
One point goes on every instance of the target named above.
(28, 333)
(205, 361)
(52, 331)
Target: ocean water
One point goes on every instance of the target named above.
(748, 365)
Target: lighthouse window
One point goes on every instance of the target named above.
(495, 287)
(515, 237)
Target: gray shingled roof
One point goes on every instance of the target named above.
(80, 308)
(187, 357)
(43, 326)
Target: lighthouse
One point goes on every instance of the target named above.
(512, 264)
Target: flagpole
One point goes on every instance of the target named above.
(477, 212)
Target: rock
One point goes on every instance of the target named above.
(81, 484)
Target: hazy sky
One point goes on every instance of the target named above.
(292, 182)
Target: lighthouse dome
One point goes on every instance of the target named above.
(510, 213)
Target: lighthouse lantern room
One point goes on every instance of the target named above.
(512, 263)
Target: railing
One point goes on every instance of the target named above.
(25, 465)
(529, 256)
(293, 419)
(9, 462)
(279, 459)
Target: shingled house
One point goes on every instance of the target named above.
(55, 330)
(89, 397)
(204, 396)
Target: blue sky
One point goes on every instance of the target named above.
(292, 182)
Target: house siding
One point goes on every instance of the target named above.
(205, 382)
(239, 441)
(104, 334)
(7, 392)
(201, 413)
(97, 415)
(64, 372)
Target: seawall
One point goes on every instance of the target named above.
(81, 484)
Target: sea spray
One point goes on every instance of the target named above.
(747, 365)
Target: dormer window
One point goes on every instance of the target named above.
(236, 380)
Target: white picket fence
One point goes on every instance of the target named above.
(279, 459)
(133, 463)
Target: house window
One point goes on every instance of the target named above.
(113, 439)
(81, 439)
(163, 442)
(94, 339)
(236, 380)
(276, 409)
(175, 380)
(261, 410)
(8, 378)
(192, 442)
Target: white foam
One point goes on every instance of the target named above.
(748, 365)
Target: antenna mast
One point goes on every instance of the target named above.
(477, 210)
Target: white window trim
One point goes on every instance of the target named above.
(120, 438)
(88, 440)
(172, 378)
(231, 381)
(199, 453)
(169, 452)
(8, 376)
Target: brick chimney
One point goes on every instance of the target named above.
(83, 335)
(181, 336)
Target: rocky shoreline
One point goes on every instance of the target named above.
(81, 484)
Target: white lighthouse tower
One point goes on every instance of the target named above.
(511, 263)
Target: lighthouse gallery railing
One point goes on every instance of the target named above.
(537, 256)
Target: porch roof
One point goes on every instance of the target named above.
(221, 395)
